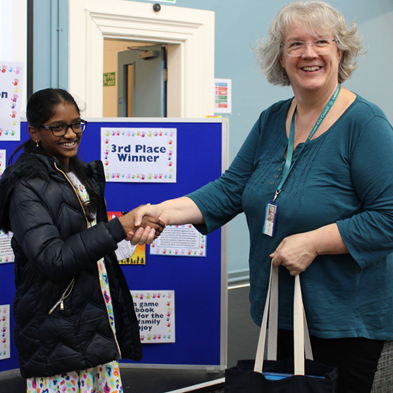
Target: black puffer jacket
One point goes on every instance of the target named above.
(56, 255)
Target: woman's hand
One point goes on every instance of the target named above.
(150, 211)
(296, 253)
(177, 211)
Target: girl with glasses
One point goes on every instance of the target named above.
(74, 314)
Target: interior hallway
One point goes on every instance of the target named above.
(242, 339)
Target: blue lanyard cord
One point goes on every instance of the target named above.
(288, 162)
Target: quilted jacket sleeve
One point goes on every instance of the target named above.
(60, 253)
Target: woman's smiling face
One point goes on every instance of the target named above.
(310, 71)
(63, 147)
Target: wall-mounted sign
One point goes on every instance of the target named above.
(5, 328)
(109, 79)
(155, 311)
(6, 252)
(126, 253)
(11, 87)
(180, 240)
(223, 96)
(2, 161)
(143, 155)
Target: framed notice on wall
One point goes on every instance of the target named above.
(223, 96)
(141, 155)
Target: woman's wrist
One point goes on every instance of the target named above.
(327, 240)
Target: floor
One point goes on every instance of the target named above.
(242, 339)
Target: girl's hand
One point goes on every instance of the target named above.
(148, 230)
(153, 223)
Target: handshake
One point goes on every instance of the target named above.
(140, 227)
(145, 223)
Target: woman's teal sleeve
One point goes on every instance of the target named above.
(368, 235)
(221, 200)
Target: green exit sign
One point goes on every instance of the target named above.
(110, 79)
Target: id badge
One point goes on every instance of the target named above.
(269, 224)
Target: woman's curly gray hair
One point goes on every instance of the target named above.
(312, 15)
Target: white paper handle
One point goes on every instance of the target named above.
(301, 336)
(298, 328)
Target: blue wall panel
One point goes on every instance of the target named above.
(195, 280)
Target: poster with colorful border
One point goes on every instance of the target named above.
(180, 240)
(144, 155)
(5, 343)
(155, 311)
(6, 253)
(223, 96)
(139, 255)
(2, 161)
(11, 85)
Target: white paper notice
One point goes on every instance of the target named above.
(5, 332)
(180, 240)
(2, 161)
(145, 155)
(223, 95)
(155, 311)
(11, 84)
(6, 253)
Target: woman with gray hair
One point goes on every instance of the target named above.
(314, 180)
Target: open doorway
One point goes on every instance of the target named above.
(135, 79)
(189, 34)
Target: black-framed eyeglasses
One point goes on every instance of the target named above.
(61, 129)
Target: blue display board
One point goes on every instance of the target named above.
(199, 282)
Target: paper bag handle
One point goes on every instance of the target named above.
(302, 342)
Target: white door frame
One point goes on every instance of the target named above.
(189, 34)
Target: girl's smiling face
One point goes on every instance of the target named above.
(311, 72)
(62, 147)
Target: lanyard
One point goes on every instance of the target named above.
(288, 162)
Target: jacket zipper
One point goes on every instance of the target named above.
(64, 296)
(61, 301)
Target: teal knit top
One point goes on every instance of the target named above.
(344, 176)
